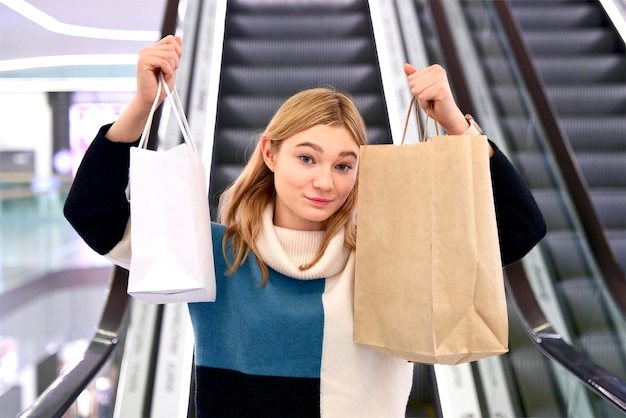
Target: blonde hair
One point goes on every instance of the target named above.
(241, 206)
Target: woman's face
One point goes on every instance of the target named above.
(314, 172)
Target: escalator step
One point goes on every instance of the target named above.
(582, 69)
(604, 99)
(298, 52)
(295, 7)
(554, 42)
(610, 205)
(596, 133)
(563, 249)
(544, 14)
(247, 111)
(299, 26)
(602, 169)
(355, 79)
(585, 133)
(571, 42)
(254, 112)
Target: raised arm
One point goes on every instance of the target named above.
(96, 205)
(520, 222)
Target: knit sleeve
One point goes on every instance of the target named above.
(97, 206)
(520, 222)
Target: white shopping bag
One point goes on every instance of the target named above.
(172, 251)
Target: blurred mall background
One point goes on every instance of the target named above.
(66, 67)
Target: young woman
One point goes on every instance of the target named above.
(277, 342)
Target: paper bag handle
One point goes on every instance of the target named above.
(179, 113)
(408, 116)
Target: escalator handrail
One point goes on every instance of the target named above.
(573, 180)
(60, 395)
(64, 390)
(606, 384)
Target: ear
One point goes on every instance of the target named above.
(266, 151)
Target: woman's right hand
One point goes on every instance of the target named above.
(163, 57)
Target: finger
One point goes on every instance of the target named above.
(163, 58)
(409, 69)
(174, 42)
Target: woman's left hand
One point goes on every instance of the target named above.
(431, 88)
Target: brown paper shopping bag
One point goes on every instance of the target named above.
(429, 285)
(172, 250)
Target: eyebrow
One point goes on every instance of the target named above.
(321, 150)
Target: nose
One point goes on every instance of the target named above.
(323, 180)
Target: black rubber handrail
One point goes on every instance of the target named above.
(606, 384)
(64, 390)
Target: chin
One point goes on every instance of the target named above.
(317, 218)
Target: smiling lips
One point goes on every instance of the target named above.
(319, 201)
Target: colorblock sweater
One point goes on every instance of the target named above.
(284, 349)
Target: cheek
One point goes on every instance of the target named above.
(346, 186)
(286, 181)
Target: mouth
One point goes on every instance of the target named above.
(319, 201)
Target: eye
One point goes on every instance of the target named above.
(306, 159)
(344, 167)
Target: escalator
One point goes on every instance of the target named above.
(275, 49)
(581, 61)
(585, 314)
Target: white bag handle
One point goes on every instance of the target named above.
(177, 107)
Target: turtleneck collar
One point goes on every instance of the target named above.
(285, 250)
